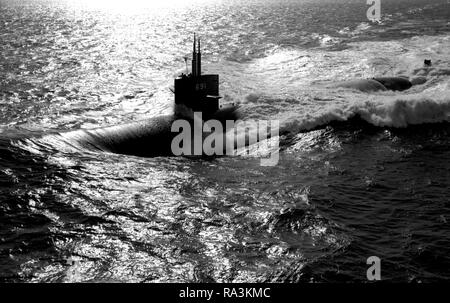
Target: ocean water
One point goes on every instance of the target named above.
(359, 175)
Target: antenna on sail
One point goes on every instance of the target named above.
(199, 60)
(186, 62)
(194, 58)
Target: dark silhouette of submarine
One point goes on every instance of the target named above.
(194, 93)
(377, 84)
(400, 83)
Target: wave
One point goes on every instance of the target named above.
(291, 85)
(358, 30)
(399, 112)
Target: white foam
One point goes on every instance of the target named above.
(379, 110)
(288, 84)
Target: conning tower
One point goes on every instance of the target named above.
(196, 91)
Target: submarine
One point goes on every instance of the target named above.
(195, 94)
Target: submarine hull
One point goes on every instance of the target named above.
(394, 83)
(145, 138)
(376, 84)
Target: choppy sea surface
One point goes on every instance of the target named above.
(360, 174)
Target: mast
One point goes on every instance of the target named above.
(194, 59)
(185, 62)
(199, 60)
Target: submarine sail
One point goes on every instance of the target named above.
(196, 91)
